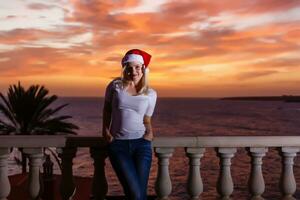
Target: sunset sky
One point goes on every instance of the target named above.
(200, 48)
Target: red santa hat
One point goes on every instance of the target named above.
(137, 55)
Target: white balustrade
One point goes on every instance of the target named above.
(287, 181)
(226, 146)
(4, 182)
(35, 162)
(225, 183)
(194, 181)
(163, 184)
(256, 180)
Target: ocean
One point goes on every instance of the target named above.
(196, 117)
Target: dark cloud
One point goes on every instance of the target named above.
(283, 63)
(40, 6)
(11, 17)
(21, 35)
(254, 74)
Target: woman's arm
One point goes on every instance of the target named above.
(106, 121)
(149, 132)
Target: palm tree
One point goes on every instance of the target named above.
(28, 112)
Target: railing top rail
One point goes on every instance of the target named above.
(193, 141)
(32, 140)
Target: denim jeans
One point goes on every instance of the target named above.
(131, 159)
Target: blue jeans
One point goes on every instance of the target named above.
(131, 159)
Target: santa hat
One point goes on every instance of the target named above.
(137, 55)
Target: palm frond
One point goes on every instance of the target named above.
(50, 112)
(5, 128)
(6, 109)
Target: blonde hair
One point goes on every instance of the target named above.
(122, 82)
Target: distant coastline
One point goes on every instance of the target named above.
(285, 98)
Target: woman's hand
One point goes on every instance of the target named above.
(108, 137)
(148, 132)
(148, 136)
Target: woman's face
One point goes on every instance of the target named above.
(133, 71)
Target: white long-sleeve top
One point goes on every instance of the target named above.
(128, 111)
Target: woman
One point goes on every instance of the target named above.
(128, 107)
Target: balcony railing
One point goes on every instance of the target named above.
(225, 146)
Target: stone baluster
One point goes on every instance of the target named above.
(99, 185)
(163, 184)
(4, 182)
(35, 162)
(67, 185)
(287, 180)
(194, 182)
(256, 180)
(225, 183)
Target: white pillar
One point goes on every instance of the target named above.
(4, 181)
(67, 185)
(163, 185)
(35, 162)
(256, 180)
(287, 181)
(99, 186)
(225, 183)
(194, 182)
